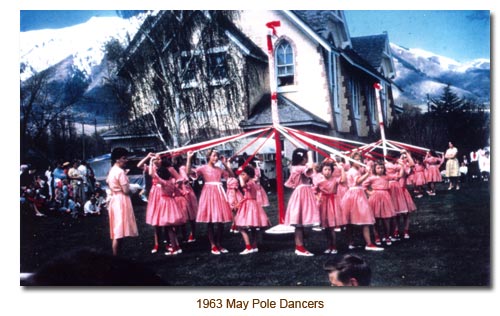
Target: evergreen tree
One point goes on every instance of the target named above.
(448, 102)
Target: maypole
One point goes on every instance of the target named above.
(275, 118)
(378, 87)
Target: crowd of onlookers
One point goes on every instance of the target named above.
(68, 188)
(475, 166)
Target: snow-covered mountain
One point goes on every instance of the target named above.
(420, 73)
(84, 42)
(77, 51)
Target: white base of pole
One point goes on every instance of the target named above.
(281, 229)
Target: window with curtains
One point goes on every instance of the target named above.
(285, 69)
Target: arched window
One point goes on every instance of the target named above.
(284, 64)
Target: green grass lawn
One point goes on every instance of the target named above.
(450, 245)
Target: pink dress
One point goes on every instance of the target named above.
(172, 214)
(251, 213)
(261, 193)
(213, 206)
(329, 203)
(342, 187)
(433, 165)
(121, 214)
(181, 200)
(192, 201)
(411, 207)
(419, 175)
(234, 195)
(302, 209)
(380, 198)
(153, 212)
(355, 203)
(392, 172)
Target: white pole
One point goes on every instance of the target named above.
(378, 87)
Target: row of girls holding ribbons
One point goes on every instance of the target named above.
(332, 195)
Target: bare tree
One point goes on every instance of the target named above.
(185, 79)
(43, 101)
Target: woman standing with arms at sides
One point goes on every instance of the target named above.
(213, 207)
(302, 209)
(121, 214)
(355, 203)
(452, 166)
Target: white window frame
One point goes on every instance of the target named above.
(191, 82)
(334, 82)
(285, 65)
(211, 52)
(371, 104)
(355, 98)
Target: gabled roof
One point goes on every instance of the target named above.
(245, 44)
(241, 41)
(290, 114)
(371, 48)
(320, 21)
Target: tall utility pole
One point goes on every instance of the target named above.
(83, 142)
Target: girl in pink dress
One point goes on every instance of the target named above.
(341, 189)
(394, 172)
(433, 175)
(261, 193)
(419, 177)
(234, 196)
(329, 203)
(377, 187)
(355, 203)
(172, 216)
(213, 207)
(302, 209)
(250, 215)
(154, 214)
(191, 200)
(407, 162)
(121, 214)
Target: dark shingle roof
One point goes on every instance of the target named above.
(315, 19)
(371, 48)
(290, 114)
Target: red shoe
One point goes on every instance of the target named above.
(301, 251)
(175, 251)
(215, 250)
(191, 238)
(373, 247)
(155, 249)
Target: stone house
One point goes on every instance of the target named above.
(325, 78)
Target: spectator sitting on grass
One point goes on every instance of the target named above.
(91, 207)
(349, 270)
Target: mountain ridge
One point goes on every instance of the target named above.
(418, 72)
